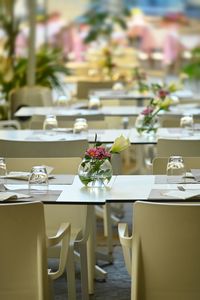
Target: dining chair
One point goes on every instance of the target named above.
(69, 148)
(160, 164)
(85, 87)
(184, 147)
(10, 124)
(93, 121)
(23, 252)
(30, 96)
(162, 255)
(64, 157)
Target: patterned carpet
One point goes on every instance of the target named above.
(117, 284)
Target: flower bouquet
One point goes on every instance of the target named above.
(96, 170)
(148, 121)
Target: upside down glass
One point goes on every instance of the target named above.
(176, 169)
(50, 122)
(38, 180)
(187, 123)
(3, 170)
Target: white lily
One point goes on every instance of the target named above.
(121, 143)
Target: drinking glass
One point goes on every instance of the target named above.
(50, 122)
(38, 180)
(3, 170)
(175, 169)
(80, 125)
(94, 102)
(187, 123)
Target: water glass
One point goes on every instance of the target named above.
(80, 125)
(38, 180)
(94, 102)
(3, 170)
(50, 122)
(175, 169)
(187, 123)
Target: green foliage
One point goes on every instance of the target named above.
(192, 69)
(102, 22)
(49, 67)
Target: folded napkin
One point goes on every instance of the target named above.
(18, 175)
(11, 196)
(25, 175)
(182, 194)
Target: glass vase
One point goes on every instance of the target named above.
(148, 128)
(95, 173)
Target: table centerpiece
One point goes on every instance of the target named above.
(95, 169)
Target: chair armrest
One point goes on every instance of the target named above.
(63, 236)
(126, 243)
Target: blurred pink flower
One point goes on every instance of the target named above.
(147, 111)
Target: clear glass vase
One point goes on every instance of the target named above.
(95, 173)
(148, 128)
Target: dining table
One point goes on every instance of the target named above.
(135, 95)
(121, 188)
(105, 136)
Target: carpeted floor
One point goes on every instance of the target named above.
(117, 284)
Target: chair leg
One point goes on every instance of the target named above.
(84, 271)
(71, 274)
(108, 226)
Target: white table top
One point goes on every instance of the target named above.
(122, 188)
(104, 135)
(114, 111)
(105, 94)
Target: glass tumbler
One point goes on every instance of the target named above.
(3, 170)
(187, 123)
(175, 170)
(80, 125)
(50, 122)
(38, 180)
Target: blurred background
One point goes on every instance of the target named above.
(48, 42)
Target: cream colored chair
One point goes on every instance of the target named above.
(160, 164)
(93, 121)
(14, 148)
(30, 96)
(24, 273)
(184, 147)
(10, 124)
(85, 87)
(165, 249)
(64, 156)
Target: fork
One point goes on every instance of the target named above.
(181, 188)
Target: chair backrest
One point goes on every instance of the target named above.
(94, 121)
(166, 249)
(167, 147)
(14, 148)
(85, 87)
(23, 256)
(10, 124)
(30, 96)
(160, 164)
(61, 165)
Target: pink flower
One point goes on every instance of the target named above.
(147, 111)
(162, 93)
(98, 153)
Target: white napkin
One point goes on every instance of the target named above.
(11, 195)
(25, 175)
(182, 194)
(18, 175)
